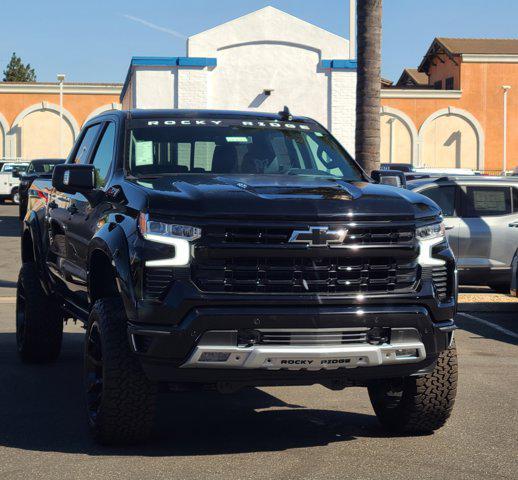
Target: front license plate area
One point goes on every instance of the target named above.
(314, 363)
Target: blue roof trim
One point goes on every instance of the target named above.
(197, 62)
(166, 62)
(340, 64)
(173, 62)
(154, 61)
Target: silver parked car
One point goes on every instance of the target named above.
(481, 219)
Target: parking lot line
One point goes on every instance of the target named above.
(489, 324)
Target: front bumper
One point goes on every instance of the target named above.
(307, 357)
(173, 353)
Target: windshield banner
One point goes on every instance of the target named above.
(222, 122)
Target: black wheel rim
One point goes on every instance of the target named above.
(20, 316)
(94, 372)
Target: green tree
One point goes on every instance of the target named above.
(16, 71)
(368, 90)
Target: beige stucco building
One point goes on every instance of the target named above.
(30, 121)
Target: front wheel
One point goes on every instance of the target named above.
(15, 197)
(416, 405)
(120, 399)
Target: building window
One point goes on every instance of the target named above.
(438, 85)
(449, 83)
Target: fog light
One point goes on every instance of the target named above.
(214, 357)
(407, 353)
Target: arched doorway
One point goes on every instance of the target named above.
(451, 138)
(398, 137)
(36, 132)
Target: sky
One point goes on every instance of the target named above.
(93, 41)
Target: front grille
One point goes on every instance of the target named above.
(278, 235)
(156, 282)
(305, 275)
(324, 337)
(442, 282)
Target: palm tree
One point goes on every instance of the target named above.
(369, 84)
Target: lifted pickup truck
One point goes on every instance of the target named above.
(236, 249)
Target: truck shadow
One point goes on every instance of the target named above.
(41, 409)
(10, 226)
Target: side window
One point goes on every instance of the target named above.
(515, 200)
(444, 197)
(85, 146)
(104, 155)
(482, 201)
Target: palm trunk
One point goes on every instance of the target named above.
(368, 89)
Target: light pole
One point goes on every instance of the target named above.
(61, 79)
(506, 91)
(352, 29)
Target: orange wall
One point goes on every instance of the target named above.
(482, 96)
(79, 105)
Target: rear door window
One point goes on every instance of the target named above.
(490, 201)
(444, 196)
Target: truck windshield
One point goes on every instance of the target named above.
(165, 147)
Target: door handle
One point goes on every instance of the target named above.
(72, 209)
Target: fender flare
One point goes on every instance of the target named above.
(111, 240)
(33, 227)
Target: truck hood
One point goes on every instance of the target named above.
(281, 197)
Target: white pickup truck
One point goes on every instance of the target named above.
(9, 183)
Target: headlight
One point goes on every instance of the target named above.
(178, 236)
(429, 236)
(429, 232)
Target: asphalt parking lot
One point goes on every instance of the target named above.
(281, 433)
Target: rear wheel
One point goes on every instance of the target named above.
(417, 404)
(120, 399)
(15, 197)
(39, 321)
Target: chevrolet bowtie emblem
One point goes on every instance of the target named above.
(319, 236)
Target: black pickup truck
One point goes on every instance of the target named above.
(235, 250)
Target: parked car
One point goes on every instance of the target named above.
(9, 181)
(481, 219)
(236, 249)
(402, 167)
(36, 168)
(444, 171)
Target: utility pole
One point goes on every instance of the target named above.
(352, 29)
(61, 79)
(506, 92)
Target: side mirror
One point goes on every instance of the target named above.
(395, 178)
(72, 178)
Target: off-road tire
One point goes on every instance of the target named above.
(39, 320)
(121, 407)
(417, 405)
